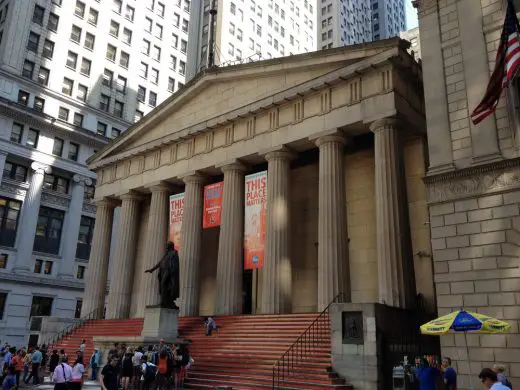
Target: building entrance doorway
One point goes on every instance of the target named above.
(247, 292)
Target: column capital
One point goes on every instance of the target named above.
(40, 168)
(193, 178)
(82, 180)
(337, 138)
(386, 123)
(234, 165)
(282, 153)
(159, 187)
(106, 202)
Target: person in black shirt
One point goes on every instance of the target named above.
(109, 375)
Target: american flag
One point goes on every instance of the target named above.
(506, 66)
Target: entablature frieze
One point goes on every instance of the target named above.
(501, 176)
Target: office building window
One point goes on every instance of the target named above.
(111, 53)
(75, 34)
(233, 8)
(173, 62)
(127, 36)
(48, 49)
(28, 69)
(67, 86)
(53, 22)
(114, 29)
(15, 171)
(23, 97)
(152, 99)
(3, 265)
(33, 42)
(101, 129)
(41, 306)
(79, 305)
(115, 132)
(63, 114)
(90, 39)
(148, 25)
(117, 6)
(104, 102)
(141, 94)
(85, 67)
(118, 110)
(48, 230)
(154, 76)
(145, 47)
(56, 183)
(39, 104)
(138, 116)
(43, 76)
(158, 31)
(171, 84)
(124, 59)
(182, 67)
(86, 230)
(38, 15)
(175, 41)
(129, 13)
(160, 10)
(32, 138)
(185, 25)
(156, 54)
(9, 216)
(73, 151)
(80, 273)
(184, 46)
(176, 20)
(16, 133)
(239, 34)
(187, 4)
(79, 11)
(78, 119)
(93, 16)
(121, 84)
(57, 147)
(108, 77)
(143, 70)
(72, 60)
(82, 93)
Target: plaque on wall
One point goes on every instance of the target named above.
(352, 327)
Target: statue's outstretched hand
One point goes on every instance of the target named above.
(148, 271)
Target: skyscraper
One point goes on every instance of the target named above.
(347, 22)
(251, 30)
(73, 74)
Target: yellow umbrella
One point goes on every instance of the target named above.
(465, 321)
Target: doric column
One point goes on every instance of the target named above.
(72, 224)
(333, 268)
(3, 156)
(96, 281)
(30, 211)
(228, 299)
(119, 295)
(191, 239)
(395, 270)
(276, 292)
(156, 238)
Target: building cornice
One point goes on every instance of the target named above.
(11, 277)
(500, 176)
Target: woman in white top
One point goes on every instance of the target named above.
(77, 374)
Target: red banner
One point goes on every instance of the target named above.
(255, 220)
(176, 213)
(212, 205)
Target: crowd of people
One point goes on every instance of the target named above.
(428, 375)
(161, 367)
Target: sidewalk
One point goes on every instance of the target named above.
(87, 385)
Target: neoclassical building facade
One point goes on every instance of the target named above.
(341, 135)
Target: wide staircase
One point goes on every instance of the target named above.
(244, 352)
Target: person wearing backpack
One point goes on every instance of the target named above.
(149, 371)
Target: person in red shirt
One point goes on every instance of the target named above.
(17, 363)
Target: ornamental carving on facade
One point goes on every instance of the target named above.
(478, 182)
(55, 199)
(12, 189)
(89, 208)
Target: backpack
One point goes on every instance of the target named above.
(149, 373)
(163, 365)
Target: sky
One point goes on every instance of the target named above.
(411, 15)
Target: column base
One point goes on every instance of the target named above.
(160, 323)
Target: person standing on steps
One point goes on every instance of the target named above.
(82, 347)
(94, 364)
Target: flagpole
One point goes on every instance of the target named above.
(469, 360)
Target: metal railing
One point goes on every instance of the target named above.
(93, 315)
(304, 346)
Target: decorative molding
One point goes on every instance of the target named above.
(41, 168)
(55, 198)
(274, 118)
(14, 189)
(82, 180)
(229, 134)
(251, 127)
(326, 101)
(475, 181)
(89, 208)
(425, 7)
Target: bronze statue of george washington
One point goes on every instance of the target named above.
(168, 277)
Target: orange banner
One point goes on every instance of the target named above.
(255, 220)
(176, 212)
(212, 205)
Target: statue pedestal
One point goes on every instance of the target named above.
(160, 323)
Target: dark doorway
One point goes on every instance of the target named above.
(33, 340)
(247, 292)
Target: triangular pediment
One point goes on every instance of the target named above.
(208, 99)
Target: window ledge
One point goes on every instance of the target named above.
(21, 184)
(44, 256)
